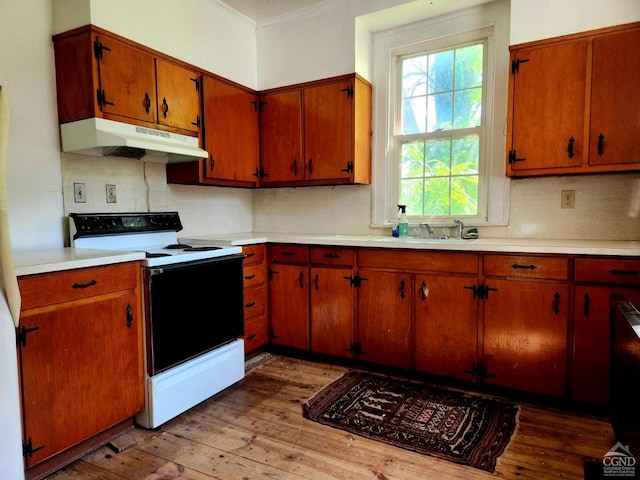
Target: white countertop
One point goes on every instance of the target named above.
(56, 259)
(503, 245)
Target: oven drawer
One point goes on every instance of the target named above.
(51, 288)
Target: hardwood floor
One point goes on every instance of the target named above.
(255, 430)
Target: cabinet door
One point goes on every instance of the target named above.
(178, 96)
(280, 137)
(591, 337)
(525, 336)
(328, 131)
(81, 370)
(615, 97)
(384, 318)
(127, 80)
(231, 132)
(332, 311)
(289, 302)
(446, 319)
(548, 104)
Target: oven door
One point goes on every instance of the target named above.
(191, 309)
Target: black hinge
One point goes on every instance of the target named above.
(257, 105)
(260, 173)
(481, 291)
(356, 348)
(349, 168)
(479, 371)
(349, 91)
(515, 65)
(355, 281)
(21, 335)
(28, 449)
(98, 48)
(102, 99)
(197, 83)
(513, 159)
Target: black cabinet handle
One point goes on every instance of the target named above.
(587, 305)
(331, 255)
(250, 304)
(212, 163)
(315, 282)
(129, 316)
(249, 277)
(146, 102)
(515, 266)
(402, 289)
(570, 147)
(631, 273)
(165, 107)
(310, 165)
(251, 337)
(85, 285)
(301, 280)
(423, 293)
(556, 303)
(295, 167)
(600, 145)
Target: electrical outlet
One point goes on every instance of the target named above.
(79, 193)
(111, 193)
(568, 199)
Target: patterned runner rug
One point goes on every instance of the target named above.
(462, 428)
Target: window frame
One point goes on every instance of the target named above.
(443, 33)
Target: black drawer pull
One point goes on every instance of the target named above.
(630, 273)
(249, 277)
(288, 254)
(331, 255)
(250, 304)
(250, 254)
(85, 285)
(515, 266)
(251, 337)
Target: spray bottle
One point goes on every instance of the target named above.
(403, 223)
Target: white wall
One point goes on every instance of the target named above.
(604, 203)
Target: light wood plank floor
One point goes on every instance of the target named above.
(255, 430)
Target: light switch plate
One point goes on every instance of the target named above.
(111, 193)
(79, 193)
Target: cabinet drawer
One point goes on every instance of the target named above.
(608, 271)
(289, 253)
(254, 253)
(256, 333)
(410, 260)
(50, 288)
(332, 256)
(551, 268)
(253, 275)
(254, 302)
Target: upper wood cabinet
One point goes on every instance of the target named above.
(317, 133)
(573, 104)
(230, 138)
(103, 75)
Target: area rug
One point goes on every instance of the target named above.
(462, 428)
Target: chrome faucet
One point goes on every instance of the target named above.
(430, 232)
(460, 226)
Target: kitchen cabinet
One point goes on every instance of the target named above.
(332, 301)
(526, 311)
(100, 74)
(230, 138)
(446, 324)
(318, 133)
(572, 104)
(80, 358)
(597, 279)
(289, 295)
(256, 326)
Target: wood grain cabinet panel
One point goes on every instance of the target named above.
(80, 358)
(573, 104)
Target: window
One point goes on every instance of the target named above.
(439, 131)
(440, 102)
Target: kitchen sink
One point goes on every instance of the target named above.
(446, 241)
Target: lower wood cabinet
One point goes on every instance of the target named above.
(80, 359)
(513, 321)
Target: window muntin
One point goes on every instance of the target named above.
(439, 130)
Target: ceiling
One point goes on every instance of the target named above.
(260, 10)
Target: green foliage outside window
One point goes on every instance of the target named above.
(441, 110)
